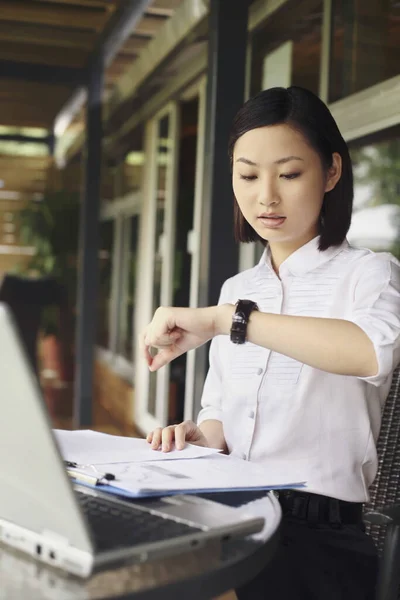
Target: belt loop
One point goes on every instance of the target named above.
(313, 509)
(300, 507)
(334, 513)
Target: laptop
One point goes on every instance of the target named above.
(71, 526)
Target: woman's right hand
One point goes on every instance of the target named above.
(187, 431)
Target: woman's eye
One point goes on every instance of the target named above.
(290, 175)
(248, 177)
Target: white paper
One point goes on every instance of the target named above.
(89, 447)
(215, 472)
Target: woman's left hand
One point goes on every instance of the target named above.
(174, 331)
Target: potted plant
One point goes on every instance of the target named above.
(51, 226)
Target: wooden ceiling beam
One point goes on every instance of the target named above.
(13, 172)
(61, 16)
(149, 25)
(57, 57)
(46, 36)
(160, 12)
(18, 177)
(135, 44)
(105, 4)
(44, 111)
(41, 73)
(23, 89)
(24, 139)
(117, 30)
(24, 119)
(166, 4)
(30, 162)
(13, 109)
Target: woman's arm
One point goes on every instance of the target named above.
(367, 345)
(332, 345)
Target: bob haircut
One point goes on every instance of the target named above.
(305, 112)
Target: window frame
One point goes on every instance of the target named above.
(119, 211)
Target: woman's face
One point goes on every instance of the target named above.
(279, 184)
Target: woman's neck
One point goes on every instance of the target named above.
(280, 251)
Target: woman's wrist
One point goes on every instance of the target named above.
(223, 318)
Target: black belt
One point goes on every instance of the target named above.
(319, 509)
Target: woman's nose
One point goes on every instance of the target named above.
(268, 195)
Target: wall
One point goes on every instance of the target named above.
(23, 178)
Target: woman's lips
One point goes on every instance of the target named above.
(271, 222)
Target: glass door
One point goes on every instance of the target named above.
(193, 245)
(156, 258)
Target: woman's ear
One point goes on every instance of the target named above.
(334, 172)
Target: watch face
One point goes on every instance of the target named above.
(239, 318)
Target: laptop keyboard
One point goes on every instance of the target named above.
(115, 526)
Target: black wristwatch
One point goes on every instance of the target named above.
(240, 320)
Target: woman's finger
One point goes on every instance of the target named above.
(161, 341)
(167, 437)
(165, 356)
(156, 442)
(180, 436)
(144, 348)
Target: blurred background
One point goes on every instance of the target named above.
(114, 180)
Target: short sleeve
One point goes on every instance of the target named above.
(211, 399)
(376, 310)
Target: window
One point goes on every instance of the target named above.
(105, 275)
(376, 217)
(132, 172)
(126, 176)
(126, 345)
(187, 155)
(365, 45)
(296, 29)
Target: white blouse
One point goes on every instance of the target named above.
(301, 423)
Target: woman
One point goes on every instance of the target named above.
(322, 320)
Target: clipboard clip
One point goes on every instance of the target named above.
(97, 478)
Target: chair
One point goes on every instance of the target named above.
(27, 298)
(382, 513)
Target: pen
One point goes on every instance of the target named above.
(86, 478)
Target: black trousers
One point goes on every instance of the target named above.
(317, 562)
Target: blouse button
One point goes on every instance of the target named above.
(260, 371)
(251, 414)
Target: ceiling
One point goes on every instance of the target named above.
(45, 46)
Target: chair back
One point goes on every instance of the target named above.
(386, 487)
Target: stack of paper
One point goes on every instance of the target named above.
(140, 471)
(94, 448)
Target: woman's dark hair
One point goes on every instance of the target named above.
(304, 111)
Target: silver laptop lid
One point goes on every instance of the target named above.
(35, 492)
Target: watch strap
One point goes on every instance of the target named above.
(240, 320)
